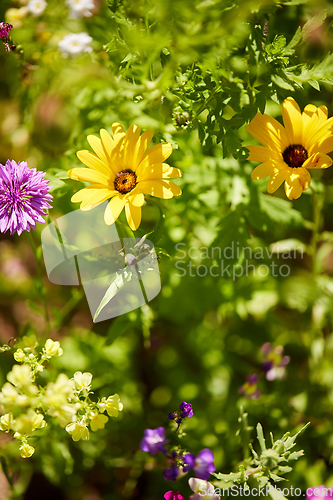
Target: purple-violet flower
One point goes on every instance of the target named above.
(24, 195)
(153, 440)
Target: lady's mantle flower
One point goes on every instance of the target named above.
(78, 430)
(153, 440)
(75, 44)
(250, 389)
(83, 382)
(124, 171)
(203, 464)
(112, 405)
(36, 7)
(26, 450)
(319, 493)
(24, 195)
(289, 151)
(173, 495)
(52, 348)
(274, 362)
(80, 8)
(97, 421)
(202, 490)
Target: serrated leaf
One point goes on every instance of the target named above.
(233, 476)
(261, 438)
(281, 82)
(279, 210)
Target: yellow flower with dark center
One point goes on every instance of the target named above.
(289, 151)
(123, 169)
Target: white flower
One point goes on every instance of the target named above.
(36, 7)
(80, 8)
(75, 44)
(83, 382)
(203, 490)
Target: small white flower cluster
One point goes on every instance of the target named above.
(36, 7)
(80, 8)
(24, 405)
(75, 44)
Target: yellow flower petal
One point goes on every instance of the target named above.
(114, 209)
(276, 180)
(130, 143)
(292, 120)
(262, 170)
(323, 161)
(92, 161)
(97, 146)
(87, 175)
(160, 188)
(259, 153)
(118, 132)
(156, 154)
(133, 215)
(107, 141)
(141, 146)
(136, 199)
(268, 132)
(296, 183)
(86, 192)
(158, 171)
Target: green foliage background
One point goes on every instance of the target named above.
(221, 62)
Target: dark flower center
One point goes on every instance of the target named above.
(295, 155)
(125, 181)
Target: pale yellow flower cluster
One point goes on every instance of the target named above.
(24, 405)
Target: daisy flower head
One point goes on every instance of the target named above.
(75, 44)
(80, 8)
(123, 169)
(289, 151)
(24, 195)
(36, 7)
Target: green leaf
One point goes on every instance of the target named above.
(113, 289)
(261, 438)
(281, 82)
(279, 210)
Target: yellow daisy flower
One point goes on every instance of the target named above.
(124, 170)
(289, 151)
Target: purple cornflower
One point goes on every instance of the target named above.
(171, 474)
(24, 195)
(203, 463)
(173, 495)
(5, 28)
(186, 410)
(153, 440)
(274, 364)
(250, 389)
(319, 493)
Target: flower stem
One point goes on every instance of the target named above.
(318, 201)
(38, 282)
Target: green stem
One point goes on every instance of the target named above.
(318, 202)
(39, 287)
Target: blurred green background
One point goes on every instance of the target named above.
(202, 335)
